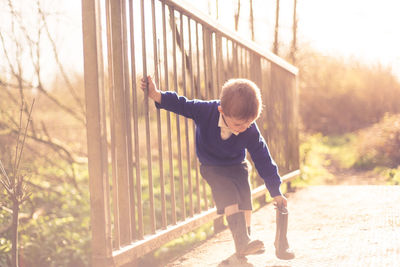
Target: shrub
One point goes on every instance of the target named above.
(338, 96)
(379, 145)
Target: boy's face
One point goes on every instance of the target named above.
(237, 125)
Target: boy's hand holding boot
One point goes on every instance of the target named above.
(282, 250)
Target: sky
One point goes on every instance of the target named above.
(367, 30)
(364, 29)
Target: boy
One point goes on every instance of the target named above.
(225, 129)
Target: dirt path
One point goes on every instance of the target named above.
(329, 225)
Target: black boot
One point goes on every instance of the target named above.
(243, 244)
(282, 250)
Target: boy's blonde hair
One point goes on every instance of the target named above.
(241, 99)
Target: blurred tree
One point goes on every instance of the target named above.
(14, 183)
(237, 14)
(56, 150)
(293, 47)
(339, 96)
(24, 46)
(276, 42)
(251, 20)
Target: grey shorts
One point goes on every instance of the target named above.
(229, 185)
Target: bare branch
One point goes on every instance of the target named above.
(6, 54)
(58, 103)
(24, 136)
(8, 181)
(60, 66)
(6, 187)
(17, 146)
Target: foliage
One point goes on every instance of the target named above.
(54, 222)
(319, 154)
(379, 145)
(56, 230)
(339, 96)
(313, 161)
(61, 236)
(392, 175)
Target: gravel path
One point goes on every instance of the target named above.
(343, 225)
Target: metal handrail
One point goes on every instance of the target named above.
(191, 11)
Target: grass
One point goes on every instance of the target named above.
(314, 161)
(322, 155)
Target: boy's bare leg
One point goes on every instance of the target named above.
(247, 215)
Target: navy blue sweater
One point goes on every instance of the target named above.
(211, 149)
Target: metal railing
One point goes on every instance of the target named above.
(145, 187)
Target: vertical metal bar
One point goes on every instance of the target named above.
(103, 114)
(197, 95)
(210, 57)
(219, 222)
(219, 63)
(246, 63)
(169, 135)
(235, 60)
(290, 122)
(112, 128)
(160, 150)
(178, 128)
(139, 233)
(147, 119)
(183, 60)
(120, 124)
(98, 182)
(190, 60)
(242, 65)
(186, 62)
(205, 60)
(228, 68)
(239, 60)
(285, 117)
(128, 123)
(206, 84)
(296, 123)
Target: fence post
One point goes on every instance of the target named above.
(96, 134)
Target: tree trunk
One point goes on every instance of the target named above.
(237, 13)
(294, 41)
(276, 45)
(251, 20)
(217, 11)
(14, 236)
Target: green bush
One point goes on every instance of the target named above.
(55, 227)
(392, 175)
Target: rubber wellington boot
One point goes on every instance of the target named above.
(243, 244)
(282, 250)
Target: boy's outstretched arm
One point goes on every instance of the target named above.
(154, 93)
